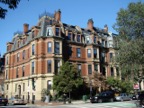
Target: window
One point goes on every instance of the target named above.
(57, 31)
(33, 49)
(23, 71)
(73, 37)
(33, 84)
(18, 44)
(7, 60)
(95, 53)
(79, 68)
(103, 57)
(49, 32)
(7, 86)
(57, 47)
(95, 39)
(23, 54)
(117, 71)
(6, 74)
(78, 38)
(24, 40)
(18, 57)
(32, 34)
(50, 22)
(89, 69)
(87, 39)
(104, 71)
(17, 71)
(103, 42)
(111, 56)
(49, 47)
(23, 86)
(112, 72)
(49, 66)
(78, 52)
(89, 53)
(49, 84)
(96, 67)
(32, 68)
(57, 66)
(69, 35)
(15, 87)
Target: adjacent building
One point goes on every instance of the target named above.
(34, 56)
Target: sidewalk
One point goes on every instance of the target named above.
(56, 103)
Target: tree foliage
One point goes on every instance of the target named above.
(120, 85)
(98, 80)
(67, 79)
(12, 4)
(130, 53)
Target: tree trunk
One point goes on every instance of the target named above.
(69, 98)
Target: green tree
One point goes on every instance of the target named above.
(67, 79)
(12, 4)
(120, 85)
(130, 42)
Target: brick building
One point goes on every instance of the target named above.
(2, 75)
(34, 56)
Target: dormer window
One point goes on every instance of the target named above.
(73, 37)
(69, 35)
(95, 39)
(23, 40)
(49, 32)
(103, 42)
(78, 38)
(18, 44)
(32, 34)
(57, 31)
(87, 39)
(50, 22)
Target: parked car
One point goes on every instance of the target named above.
(107, 96)
(16, 101)
(3, 101)
(123, 97)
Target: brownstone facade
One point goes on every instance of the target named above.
(34, 56)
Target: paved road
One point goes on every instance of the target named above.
(84, 105)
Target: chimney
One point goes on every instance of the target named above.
(105, 28)
(58, 15)
(25, 27)
(90, 24)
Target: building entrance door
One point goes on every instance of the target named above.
(19, 91)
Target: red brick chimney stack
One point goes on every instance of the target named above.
(25, 27)
(58, 15)
(90, 24)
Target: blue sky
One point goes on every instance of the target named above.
(74, 12)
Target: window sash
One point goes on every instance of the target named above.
(78, 52)
(49, 47)
(78, 38)
(89, 69)
(57, 31)
(32, 67)
(57, 47)
(33, 49)
(89, 53)
(95, 53)
(49, 65)
(94, 39)
(69, 36)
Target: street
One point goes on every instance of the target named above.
(126, 104)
